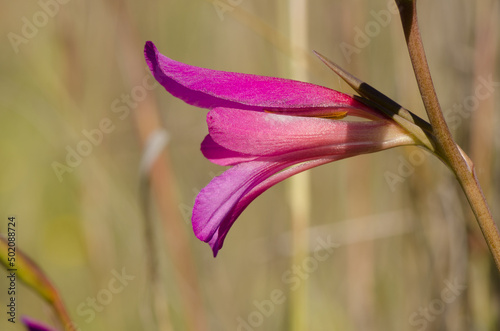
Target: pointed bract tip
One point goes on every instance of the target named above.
(353, 82)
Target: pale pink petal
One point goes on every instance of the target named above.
(222, 156)
(259, 134)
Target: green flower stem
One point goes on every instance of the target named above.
(34, 277)
(447, 148)
(299, 197)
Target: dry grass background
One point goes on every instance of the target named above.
(397, 247)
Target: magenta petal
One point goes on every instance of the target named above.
(219, 204)
(216, 200)
(208, 88)
(33, 325)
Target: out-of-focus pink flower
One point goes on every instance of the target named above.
(33, 325)
(268, 129)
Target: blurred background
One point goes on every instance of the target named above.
(78, 108)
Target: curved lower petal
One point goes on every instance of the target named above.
(216, 200)
(220, 203)
(208, 88)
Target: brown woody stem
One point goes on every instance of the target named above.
(447, 148)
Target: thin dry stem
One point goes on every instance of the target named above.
(447, 147)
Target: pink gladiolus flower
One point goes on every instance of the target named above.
(33, 325)
(268, 129)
